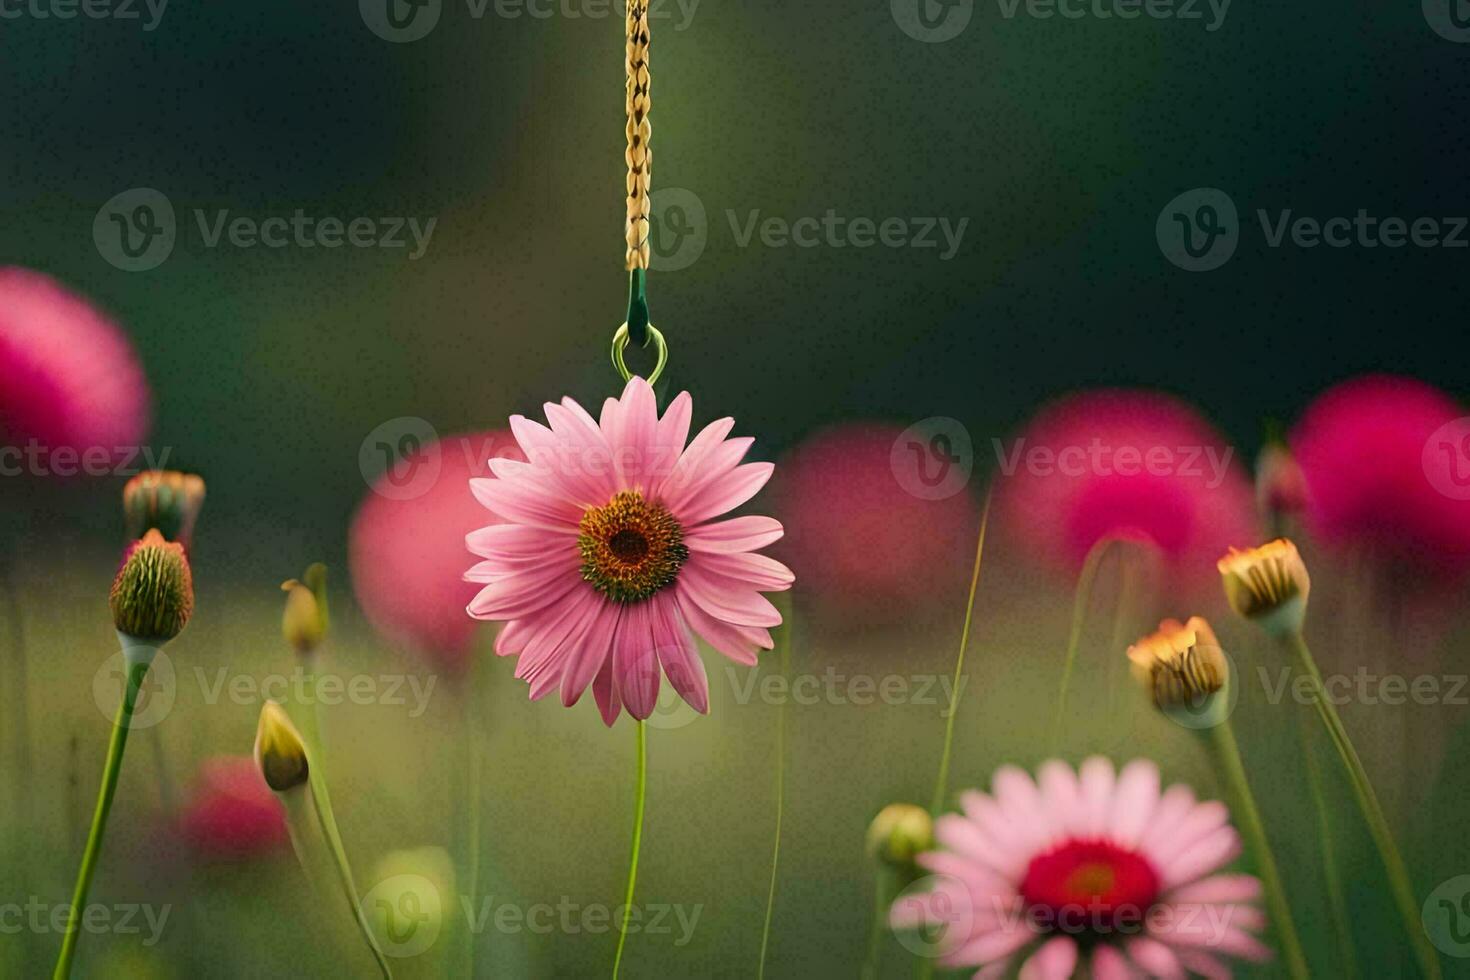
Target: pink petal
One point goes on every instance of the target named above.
(1220, 889)
(517, 541)
(1095, 785)
(690, 466)
(605, 691)
(673, 428)
(1109, 964)
(1055, 960)
(523, 505)
(1134, 801)
(733, 641)
(1156, 959)
(738, 534)
(635, 662)
(1217, 849)
(725, 599)
(748, 569)
(635, 452)
(677, 654)
(726, 493)
(519, 595)
(587, 645)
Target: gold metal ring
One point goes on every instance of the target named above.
(620, 343)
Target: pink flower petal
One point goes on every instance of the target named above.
(1055, 960)
(726, 493)
(733, 641)
(739, 534)
(726, 600)
(678, 655)
(635, 661)
(747, 569)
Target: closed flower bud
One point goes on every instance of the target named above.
(1180, 664)
(153, 595)
(302, 623)
(280, 754)
(1268, 585)
(1281, 487)
(899, 833)
(165, 500)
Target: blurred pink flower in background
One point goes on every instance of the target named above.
(68, 375)
(407, 556)
(1125, 463)
(232, 813)
(1362, 446)
(865, 549)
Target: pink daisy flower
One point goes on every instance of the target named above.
(72, 379)
(1362, 446)
(406, 554)
(1087, 865)
(233, 814)
(609, 561)
(844, 506)
(1132, 464)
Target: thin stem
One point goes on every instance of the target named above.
(1127, 573)
(328, 825)
(876, 926)
(637, 845)
(472, 808)
(1248, 816)
(941, 782)
(1393, 862)
(110, 771)
(1336, 896)
(780, 799)
(1083, 598)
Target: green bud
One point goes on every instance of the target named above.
(152, 597)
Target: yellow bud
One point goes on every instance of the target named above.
(1268, 585)
(899, 833)
(302, 622)
(1180, 664)
(280, 754)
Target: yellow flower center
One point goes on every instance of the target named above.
(630, 548)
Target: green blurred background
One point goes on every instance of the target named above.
(1058, 140)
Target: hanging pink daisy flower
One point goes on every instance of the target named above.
(1041, 871)
(609, 561)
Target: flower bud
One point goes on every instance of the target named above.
(302, 622)
(1267, 585)
(280, 754)
(165, 500)
(1180, 664)
(899, 833)
(1281, 487)
(152, 596)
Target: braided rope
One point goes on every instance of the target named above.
(640, 157)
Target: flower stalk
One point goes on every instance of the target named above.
(638, 811)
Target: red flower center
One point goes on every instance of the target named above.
(1089, 886)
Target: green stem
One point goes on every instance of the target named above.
(1254, 830)
(879, 923)
(780, 799)
(1127, 573)
(637, 845)
(110, 771)
(328, 824)
(472, 806)
(941, 783)
(1083, 598)
(1336, 896)
(1388, 851)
